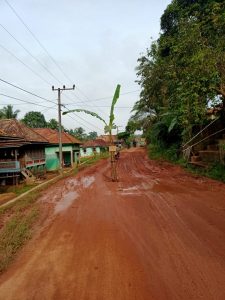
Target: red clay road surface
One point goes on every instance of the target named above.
(159, 233)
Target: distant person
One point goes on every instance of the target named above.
(134, 143)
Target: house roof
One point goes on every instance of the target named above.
(52, 136)
(106, 137)
(2, 133)
(95, 143)
(15, 129)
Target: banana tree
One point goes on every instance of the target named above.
(111, 125)
(108, 127)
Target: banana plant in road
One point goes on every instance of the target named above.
(108, 128)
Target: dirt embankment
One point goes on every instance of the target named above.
(159, 233)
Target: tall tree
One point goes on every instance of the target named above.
(53, 124)
(79, 133)
(34, 119)
(92, 135)
(7, 112)
(183, 71)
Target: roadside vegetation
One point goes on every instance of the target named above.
(86, 161)
(181, 75)
(215, 171)
(18, 219)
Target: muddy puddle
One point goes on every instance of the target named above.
(66, 201)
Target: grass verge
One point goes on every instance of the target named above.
(215, 171)
(16, 231)
(17, 219)
(17, 222)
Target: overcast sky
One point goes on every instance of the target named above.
(95, 44)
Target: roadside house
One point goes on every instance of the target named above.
(21, 152)
(70, 148)
(106, 138)
(93, 147)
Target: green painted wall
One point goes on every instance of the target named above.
(89, 151)
(52, 155)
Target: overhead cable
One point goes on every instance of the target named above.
(26, 91)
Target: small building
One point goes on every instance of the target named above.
(93, 147)
(106, 138)
(70, 148)
(140, 141)
(21, 151)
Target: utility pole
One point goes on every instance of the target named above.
(60, 122)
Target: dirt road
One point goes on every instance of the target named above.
(159, 233)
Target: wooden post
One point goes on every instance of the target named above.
(112, 151)
(71, 158)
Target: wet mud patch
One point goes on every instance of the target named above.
(66, 201)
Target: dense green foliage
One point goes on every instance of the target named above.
(183, 72)
(79, 133)
(34, 119)
(7, 112)
(53, 124)
(92, 135)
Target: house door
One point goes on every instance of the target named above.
(67, 159)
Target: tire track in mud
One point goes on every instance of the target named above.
(158, 233)
(173, 223)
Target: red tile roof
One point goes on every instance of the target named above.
(52, 136)
(95, 143)
(16, 129)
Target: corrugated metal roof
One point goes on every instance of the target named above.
(95, 143)
(106, 137)
(52, 136)
(14, 128)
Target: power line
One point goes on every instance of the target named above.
(46, 51)
(106, 106)
(25, 101)
(80, 122)
(43, 47)
(19, 88)
(110, 97)
(33, 94)
(40, 44)
(37, 60)
(23, 63)
(37, 40)
(46, 108)
(85, 120)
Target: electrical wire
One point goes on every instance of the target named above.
(25, 101)
(38, 97)
(35, 58)
(105, 106)
(19, 88)
(23, 63)
(45, 50)
(110, 97)
(84, 120)
(80, 122)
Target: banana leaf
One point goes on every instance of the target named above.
(87, 112)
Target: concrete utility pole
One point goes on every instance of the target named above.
(60, 121)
